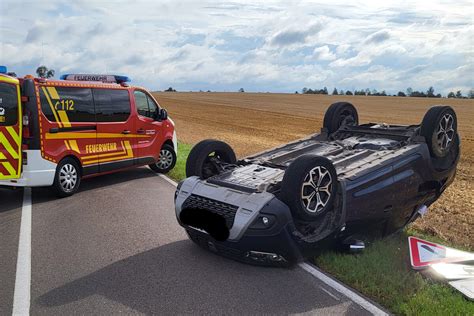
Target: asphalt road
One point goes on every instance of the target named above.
(115, 247)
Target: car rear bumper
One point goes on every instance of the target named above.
(37, 172)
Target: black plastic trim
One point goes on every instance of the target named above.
(114, 165)
(28, 90)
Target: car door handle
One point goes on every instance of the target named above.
(141, 131)
(126, 132)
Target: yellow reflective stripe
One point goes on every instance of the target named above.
(74, 146)
(8, 147)
(67, 145)
(118, 153)
(85, 163)
(64, 119)
(14, 135)
(128, 155)
(12, 80)
(92, 135)
(9, 168)
(52, 107)
(2, 156)
(53, 92)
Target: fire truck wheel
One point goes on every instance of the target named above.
(166, 161)
(67, 178)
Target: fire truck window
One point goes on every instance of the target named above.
(152, 106)
(8, 104)
(67, 104)
(111, 105)
(142, 103)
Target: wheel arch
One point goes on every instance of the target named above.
(168, 141)
(76, 159)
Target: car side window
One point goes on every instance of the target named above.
(152, 106)
(65, 105)
(111, 105)
(141, 102)
(8, 104)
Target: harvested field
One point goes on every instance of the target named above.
(252, 122)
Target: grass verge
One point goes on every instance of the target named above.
(179, 171)
(382, 272)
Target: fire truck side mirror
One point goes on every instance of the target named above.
(29, 88)
(161, 115)
(164, 114)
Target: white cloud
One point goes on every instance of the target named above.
(290, 36)
(323, 53)
(258, 45)
(378, 37)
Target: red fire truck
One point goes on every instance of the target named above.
(55, 132)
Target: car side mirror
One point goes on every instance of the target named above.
(161, 115)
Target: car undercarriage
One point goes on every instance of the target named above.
(339, 187)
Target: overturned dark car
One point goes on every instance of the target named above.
(339, 188)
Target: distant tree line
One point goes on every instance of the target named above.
(430, 93)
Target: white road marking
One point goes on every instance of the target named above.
(356, 298)
(169, 180)
(330, 294)
(21, 298)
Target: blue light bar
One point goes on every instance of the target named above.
(99, 78)
(121, 79)
(3, 69)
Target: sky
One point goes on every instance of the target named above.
(268, 46)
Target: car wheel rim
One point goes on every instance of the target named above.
(445, 132)
(166, 159)
(68, 177)
(316, 189)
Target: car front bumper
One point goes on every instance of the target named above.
(262, 232)
(278, 250)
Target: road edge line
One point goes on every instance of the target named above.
(314, 271)
(343, 289)
(168, 179)
(21, 296)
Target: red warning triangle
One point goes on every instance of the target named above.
(424, 253)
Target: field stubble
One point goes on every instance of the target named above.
(252, 122)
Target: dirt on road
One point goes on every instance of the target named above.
(252, 122)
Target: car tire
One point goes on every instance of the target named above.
(199, 160)
(166, 161)
(439, 127)
(67, 178)
(340, 114)
(306, 198)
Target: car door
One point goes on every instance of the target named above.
(68, 124)
(370, 201)
(149, 146)
(115, 126)
(10, 128)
